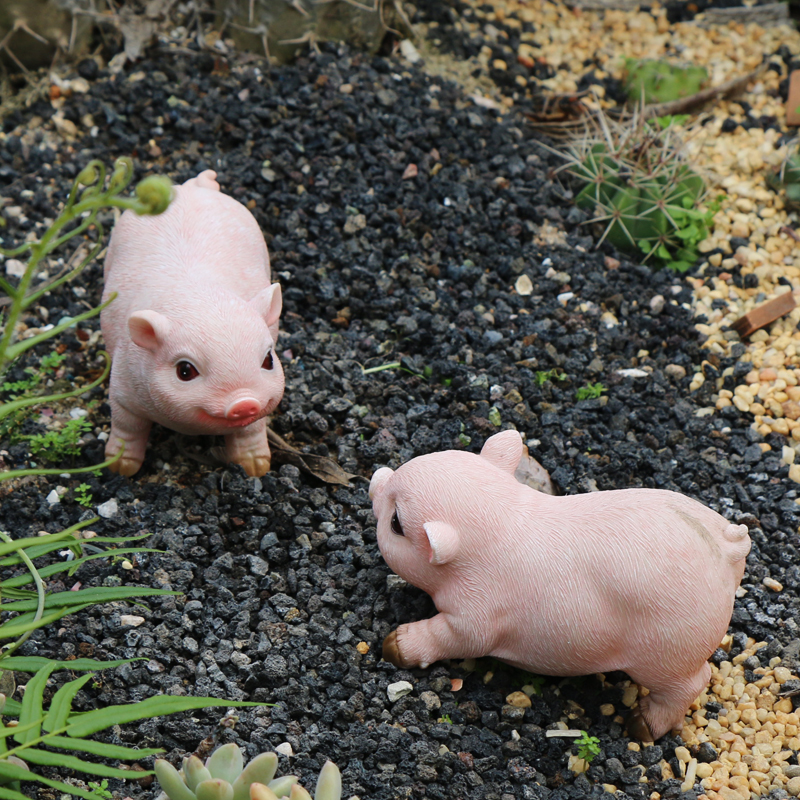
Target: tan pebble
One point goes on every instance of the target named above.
(765, 447)
(607, 709)
(788, 454)
(771, 583)
(793, 787)
(794, 471)
(704, 771)
(782, 674)
(362, 648)
(781, 426)
(682, 754)
(791, 409)
(768, 374)
(632, 692)
(740, 403)
(519, 700)
(715, 260)
(751, 377)
(757, 408)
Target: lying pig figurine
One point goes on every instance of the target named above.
(192, 332)
(640, 580)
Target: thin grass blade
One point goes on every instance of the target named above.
(35, 663)
(101, 748)
(10, 794)
(94, 595)
(21, 544)
(15, 628)
(61, 704)
(158, 706)
(45, 758)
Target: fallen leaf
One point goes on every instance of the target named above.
(322, 467)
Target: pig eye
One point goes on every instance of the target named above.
(397, 528)
(268, 361)
(186, 371)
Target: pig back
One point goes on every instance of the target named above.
(205, 245)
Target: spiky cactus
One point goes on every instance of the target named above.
(651, 81)
(224, 777)
(636, 181)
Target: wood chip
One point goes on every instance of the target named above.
(793, 100)
(764, 314)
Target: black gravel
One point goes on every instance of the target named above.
(281, 577)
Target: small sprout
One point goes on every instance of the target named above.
(83, 495)
(101, 789)
(591, 390)
(446, 719)
(542, 376)
(154, 193)
(224, 777)
(588, 747)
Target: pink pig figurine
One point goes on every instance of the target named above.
(193, 329)
(640, 580)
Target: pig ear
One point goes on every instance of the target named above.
(504, 450)
(148, 329)
(443, 539)
(378, 481)
(268, 304)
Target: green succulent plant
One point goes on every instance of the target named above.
(224, 777)
(788, 178)
(635, 179)
(652, 81)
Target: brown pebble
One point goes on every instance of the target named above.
(362, 648)
(410, 172)
(611, 263)
(519, 700)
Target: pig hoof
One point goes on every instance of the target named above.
(256, 466)
(391, 652)
(638, 728)
(126, 466)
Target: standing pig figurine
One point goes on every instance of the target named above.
(192, 332)
(640, 580)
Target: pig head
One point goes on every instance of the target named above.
(193, 329)
(640, 580)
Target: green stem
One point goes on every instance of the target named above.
(40, 592)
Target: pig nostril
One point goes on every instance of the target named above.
(242, 409)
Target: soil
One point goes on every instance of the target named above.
(284, 596)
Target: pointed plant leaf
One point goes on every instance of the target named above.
(158, 706)
(24, 544)
(47, 759)
(194, 772)
(15, 628)
(35, 663)
(283, 785)
(12, 708)
(61, 704)
(215, 789)
(260, 792)
(329, 783)
(32, 704)
(298, 793)
(102, 748)
(226, 763)
(261, 769)
(97, 594)
(12, 772)
(6, 732)
(172, 782)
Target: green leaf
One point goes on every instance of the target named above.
(32, 704)
(10, 794)
(226, 762)
(61, 704)
(21, 544)
(47, 759)
(102, 748)
(172, 782)
(25, 623)
(15, 773)
(215, 789)
(95, 595)
(158, 706)
(261, 769)
(35, 663)
(329, 783)
(12, 708)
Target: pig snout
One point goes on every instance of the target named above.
(243, 409)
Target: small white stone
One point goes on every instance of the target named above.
(633, 373)
(108, 509)
(409, 52)
(285, 749)
(130, 620)
(15, 268)
(565, 297)
(77, 413)
(53, 498)
(657, 304)
(397, 690)
(103, 436)
(524, 286)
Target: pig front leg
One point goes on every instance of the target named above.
(419, 644)
(249, 447)
(129, 431)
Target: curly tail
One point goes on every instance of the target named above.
(739, 538)
(205, 180)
